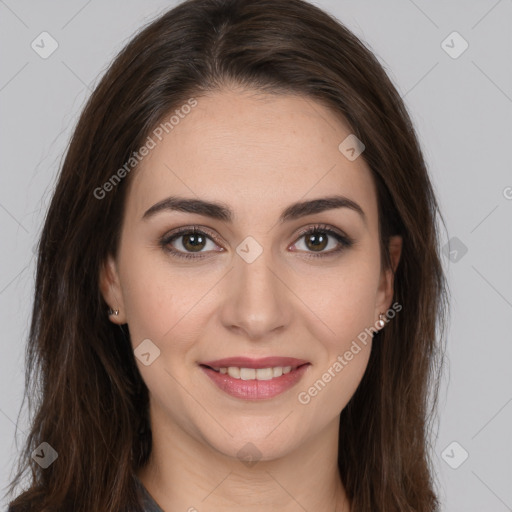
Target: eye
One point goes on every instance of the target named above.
(319, 237)
(193, 240)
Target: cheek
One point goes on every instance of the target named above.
(343, 302)
(153, 296)
(146, 301)
(335, 378)
(332, 389)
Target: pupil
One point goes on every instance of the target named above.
(193, 241)
(318, 240)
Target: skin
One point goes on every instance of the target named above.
(257, 154)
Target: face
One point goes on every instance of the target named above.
(249, 284)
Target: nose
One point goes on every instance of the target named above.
(258, 302)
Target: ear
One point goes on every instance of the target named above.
(110, 288)
(387, 278)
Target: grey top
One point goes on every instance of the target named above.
(150, 505)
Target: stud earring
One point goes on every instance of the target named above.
(114, 312)
(380, 321)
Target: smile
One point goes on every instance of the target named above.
(255, 379)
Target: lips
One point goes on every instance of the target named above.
(235, 375)
(247, 362)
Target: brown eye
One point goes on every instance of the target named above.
(187, 241)
(318, 238)
(193, 242)
(317, 241)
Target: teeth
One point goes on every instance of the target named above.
(255, 373)
(247, 373)
(234, 372)
(278, 371)
(264, 373)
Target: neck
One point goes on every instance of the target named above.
(185, 473)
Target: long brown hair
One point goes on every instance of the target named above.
(91, 402)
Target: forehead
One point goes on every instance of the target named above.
(257, 153)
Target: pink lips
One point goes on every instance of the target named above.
(255, 389)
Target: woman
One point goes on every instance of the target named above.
(239, 286)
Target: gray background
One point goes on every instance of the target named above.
(462, 108)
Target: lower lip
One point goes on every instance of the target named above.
(255, 389)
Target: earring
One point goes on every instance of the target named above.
(380, 321)
(114, 312)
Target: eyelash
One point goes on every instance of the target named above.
(345, 241)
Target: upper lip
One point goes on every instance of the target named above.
(248, 362)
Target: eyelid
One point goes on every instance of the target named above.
(322, 227)
(194, 228)
(343, 239)
(167, 238)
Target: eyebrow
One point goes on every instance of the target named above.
(222, 212)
